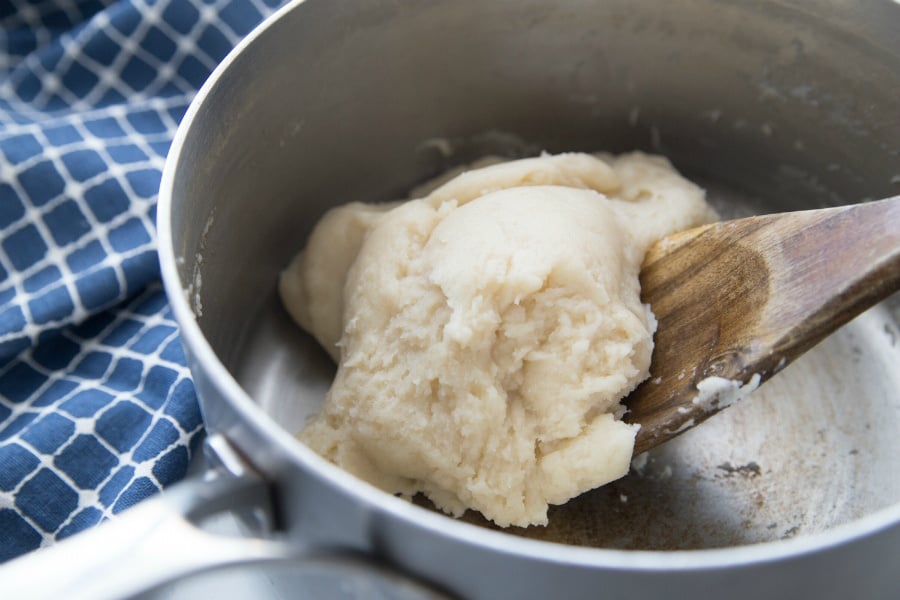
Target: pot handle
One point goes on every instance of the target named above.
(154, 542)
(159, 541)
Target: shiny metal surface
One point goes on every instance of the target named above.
(771, 105)
(171, 546)
(155, 541)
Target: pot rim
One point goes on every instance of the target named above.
(424, 519)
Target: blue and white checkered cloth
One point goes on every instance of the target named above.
(97, 409)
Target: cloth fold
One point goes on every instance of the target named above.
(97, 408)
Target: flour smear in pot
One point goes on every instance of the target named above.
(487, 330)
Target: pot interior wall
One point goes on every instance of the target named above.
(769, 105)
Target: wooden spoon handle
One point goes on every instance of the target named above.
(737, 301)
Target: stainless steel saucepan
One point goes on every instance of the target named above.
(770, 105)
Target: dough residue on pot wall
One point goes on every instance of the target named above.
(486, 332)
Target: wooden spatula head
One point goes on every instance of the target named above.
(739, 300)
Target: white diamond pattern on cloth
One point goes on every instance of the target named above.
(97, 408)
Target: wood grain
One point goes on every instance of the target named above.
(746, 297)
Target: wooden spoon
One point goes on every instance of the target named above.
(737, 301)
